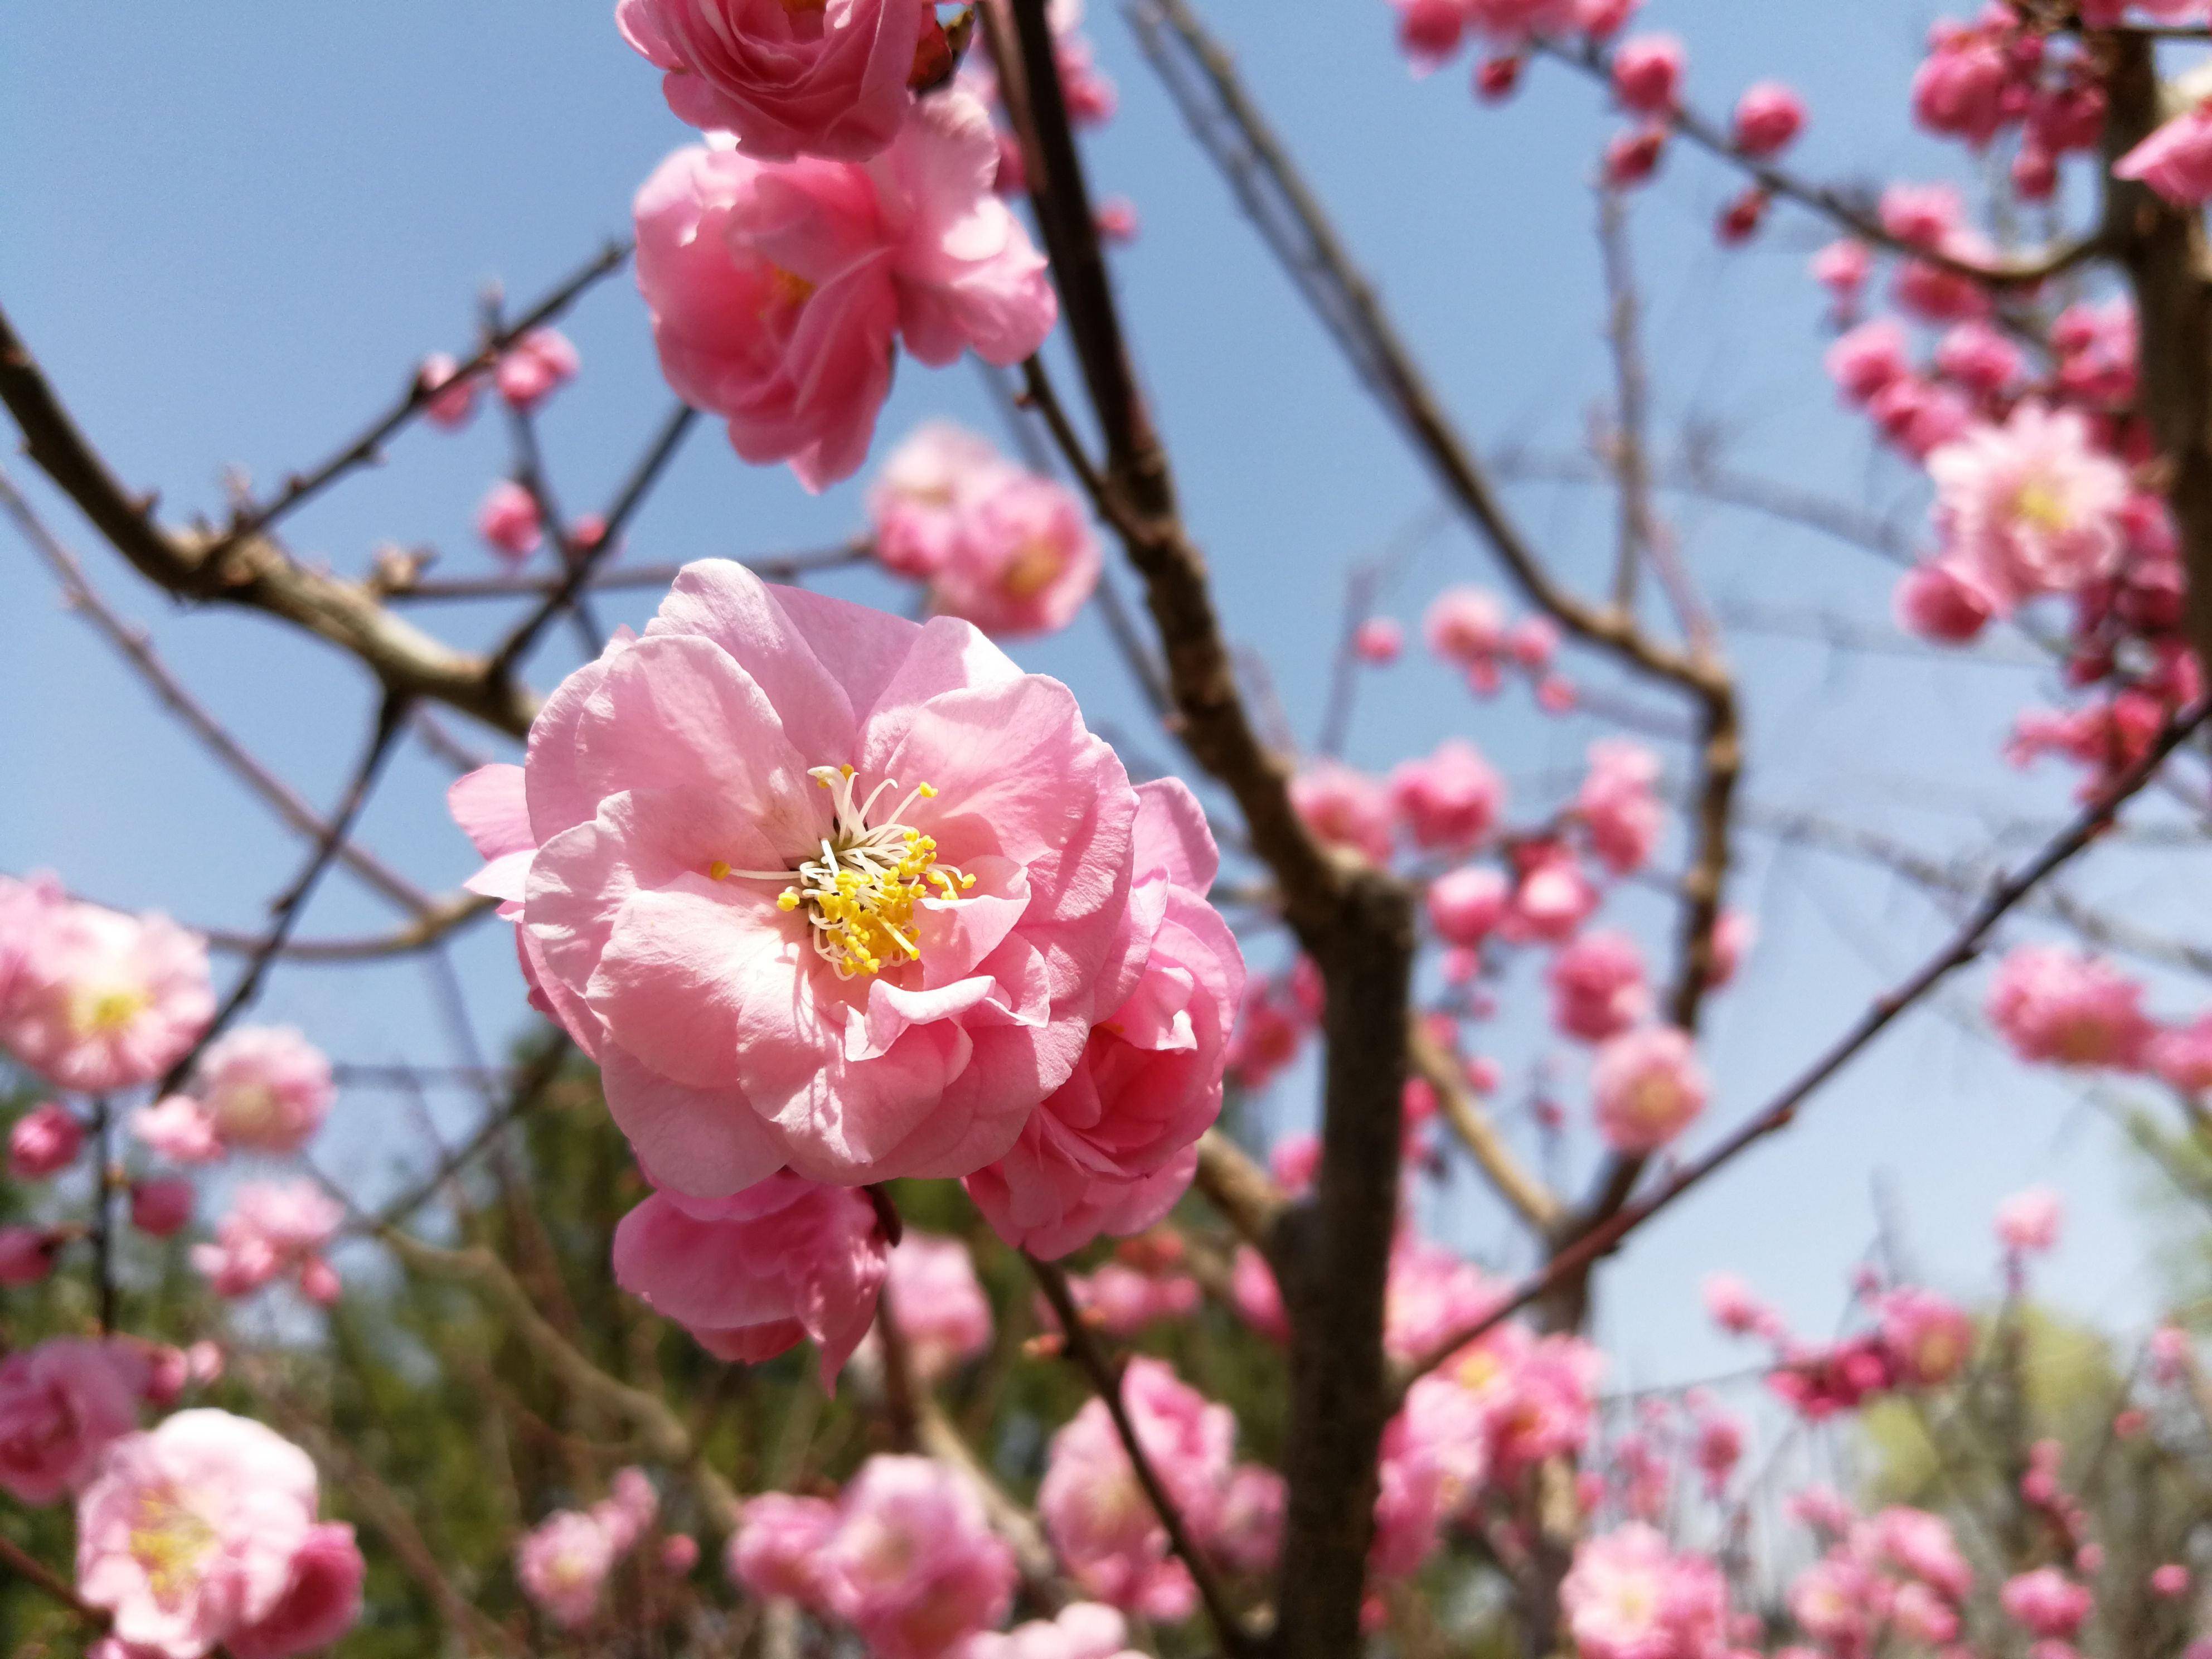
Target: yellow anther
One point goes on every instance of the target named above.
(719, 869)
(928, 791)
(788, 899)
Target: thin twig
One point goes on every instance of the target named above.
(1106, 1380)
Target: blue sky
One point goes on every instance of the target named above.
(229, 231)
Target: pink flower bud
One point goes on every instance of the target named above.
(1768, 118)
(43, 1142)
(161, 1208)
(1647, 74)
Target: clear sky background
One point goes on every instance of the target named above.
(229, 231)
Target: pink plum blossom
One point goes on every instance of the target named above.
(2047, 1603)
(160, 1208)
(1962, 86)
(1732, 1305)
(1929, 1337)
(1632, 157)
(1841, 268)
(1768, 118)
(535, 367)
(447, 401)
(43, 1142)
(193, 1534)
(1378, 640)
(1648, 1088)
(1112, 1149)
(1938, 602)
(27, 907)
(1450, 800)
(267, 1088)
(2176, 160)
(272, 1229)
(1435, 1459)
(1095, 1512)
(1257, 1298)
(1629, 1597)
(1617, 806)
(775, 288)
(1467, 627)
(62, 1404)
(1598, 986)
(827, 79)
(1553, 899)
(817, 886)
(2029, 1222)
(777, 1548)
(104, 1001)
(320, 1601)
(1431, 1295)
(27, 1253)
(2068, 1008)
(918, 500)
(1430, 31)
(563, 1564)
(1025, 560)
(751, 1274)
(1122, 1301)
(508, 520)
(938, 1304)
(914, 1565)
(178, 1127)
(1343, 808)
(1868, 360)
(1081, 1630)
(2031, 506)
(2182, 1055)
(1922, 1545)
(1647, 74)
(1467, 905)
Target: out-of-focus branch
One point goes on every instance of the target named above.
(136, 649)
(1628, 454)
(51, 1584)
(368, 448)
(935, 1433)
(391, 721)
(1106, 1379)
(527, 1094)
(1962, 948)
(1240, 1189)
(1532, 1201)
(247, 570)
(1357, 923)
(781, 568)
(2163, 250)
(445, 917)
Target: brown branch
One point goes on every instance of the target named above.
(530, 1089)
(249, 571)
(1532, 1201)
(446, 917)
(1962, 948)
(132, 643)
(2163, 251)
(391, 721)
(250, 522)
(783, 568)
(1106, 1381)
(35, 1573)
(1240, 1189)
(1356, 922)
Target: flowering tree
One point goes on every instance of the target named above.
(882, 1192)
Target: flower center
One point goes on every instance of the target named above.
(1654, 1100)
(1032, 570)
(859, 896)
(2042, 506)
(785, 291)
(104, 1010)
(171, 1542)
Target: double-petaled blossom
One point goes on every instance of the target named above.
(563, 1565)
(202, 1534)
(1467, 905)
(827, 78)
(2030, 507)
(267, 1088)
(1916, 1542)
(509, 522)
(777, 1548)
(816, 886)
(2029, 1222)
(1114, 1147)
(1598, 986)
(1647, 74)
(938, 1304)
(2069, 1008)
(43, 1142)
(62, 1404)
(99, 1001)
(1081, 1630)
(1095, 1511)
(1345, 808)
(1619, 807)
(1552, 899)
(1450, 800)
(273, 1229)
(2175, 161)
(776, 287)
(753, 1274)
(1435, 1459)
(1629, 1595)
(914, 1565)
(178, 1127)
(2047, 1603)
(1648, 1088)
(1735, 1307)
(1767, 120)
(1930, 1337)
(920, 498)
(535, 367)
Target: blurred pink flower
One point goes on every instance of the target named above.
(103, 1001)
(914, 1565)
(63, 1403)
(267, 1088)
(2069, 1008)
(1648, 1088)
(43, 1142)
